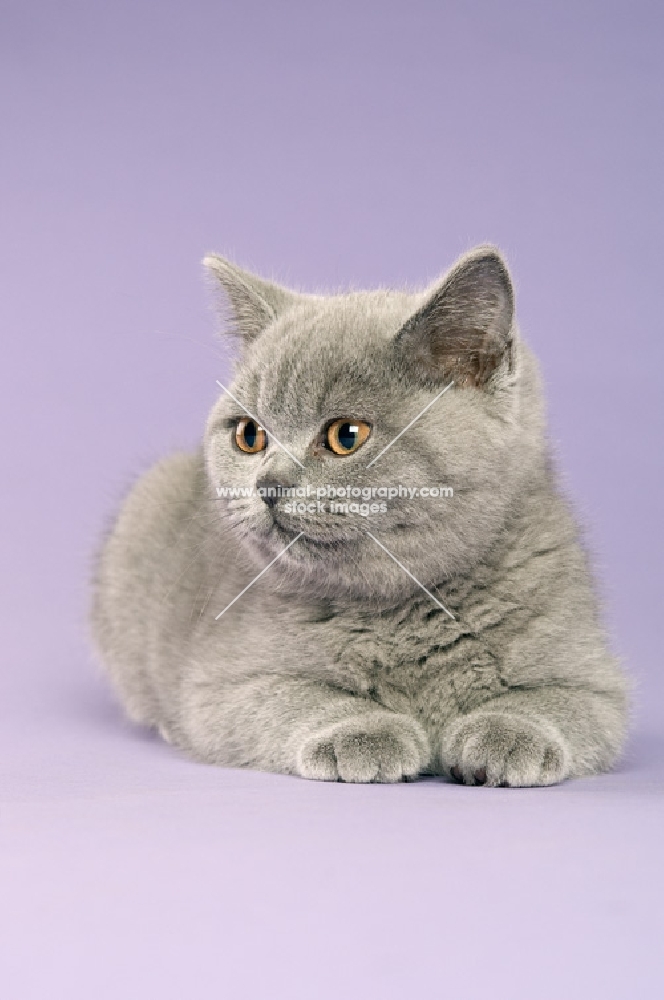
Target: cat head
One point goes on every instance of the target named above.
(363, 393)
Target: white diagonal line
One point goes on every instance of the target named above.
(407, 571)
(409, 425)
(259, 423)
(278, 556)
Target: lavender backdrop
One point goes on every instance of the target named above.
(340, 144)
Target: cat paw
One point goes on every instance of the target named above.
(497, 748)
(371, 747)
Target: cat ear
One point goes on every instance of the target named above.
(254, 303)
(464, 329)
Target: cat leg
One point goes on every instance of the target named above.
(535, 736)
(297, 726)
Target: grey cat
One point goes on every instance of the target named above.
(454, 635)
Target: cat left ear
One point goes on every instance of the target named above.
(464, 329)
(254, 302)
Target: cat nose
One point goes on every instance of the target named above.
(271, 491)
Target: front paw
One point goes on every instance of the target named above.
(502, 748)
(371, 747)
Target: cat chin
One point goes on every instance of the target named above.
(316, 545)
(324, 569)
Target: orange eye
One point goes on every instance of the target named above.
(345, 436)
(249, 437)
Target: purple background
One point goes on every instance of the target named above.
(328, 145)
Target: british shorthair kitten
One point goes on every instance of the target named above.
(367, 571)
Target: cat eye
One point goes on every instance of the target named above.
(345, 436)
(249, 437)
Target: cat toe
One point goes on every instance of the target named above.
(504, 749)
(367, 749)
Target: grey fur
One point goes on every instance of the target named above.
(335, 664)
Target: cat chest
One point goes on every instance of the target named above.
(417, 657)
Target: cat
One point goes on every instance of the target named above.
(455, 635)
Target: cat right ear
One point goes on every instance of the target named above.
(464, 329)
(253, 303)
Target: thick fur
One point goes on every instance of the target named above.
(335, 664)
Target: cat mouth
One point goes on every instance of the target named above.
(313, 534)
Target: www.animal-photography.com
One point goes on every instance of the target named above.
(331, 649)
